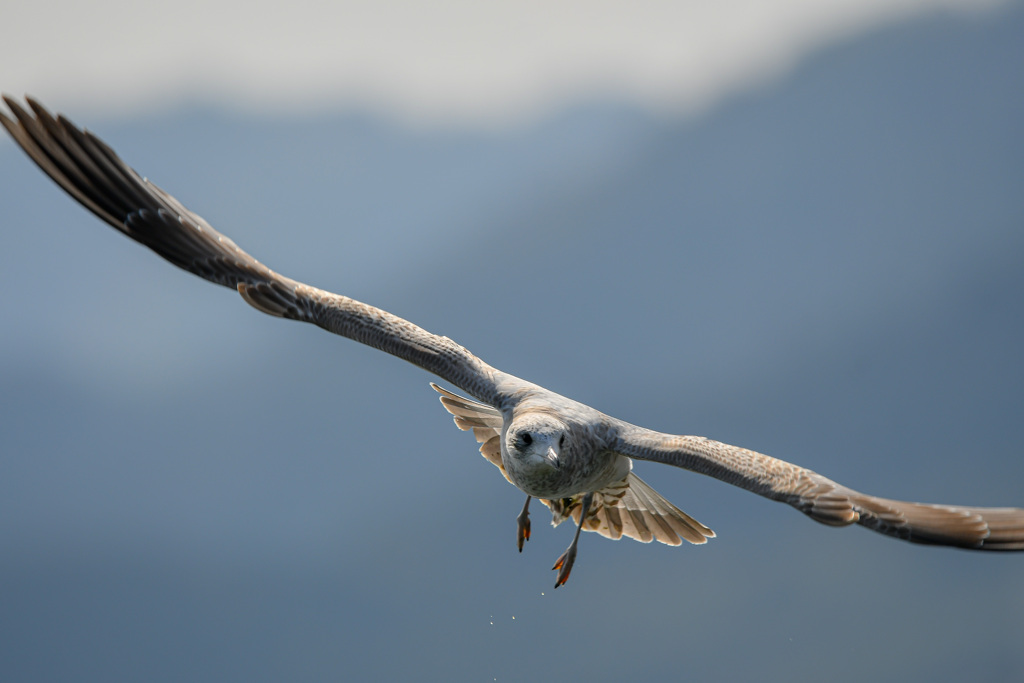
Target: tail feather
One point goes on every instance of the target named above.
(633, 509)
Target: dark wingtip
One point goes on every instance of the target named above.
(24, 118)
(15, 108)
(35, 104)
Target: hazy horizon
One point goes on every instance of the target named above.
(460, 63)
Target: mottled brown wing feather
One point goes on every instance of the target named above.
(93, 174)
(483, 420)
(826, 501)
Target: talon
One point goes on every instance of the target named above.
(559, 562)
(523, 525)
(564, 565)
(523, 532)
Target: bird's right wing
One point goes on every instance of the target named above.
(91, 172)
(823, 499)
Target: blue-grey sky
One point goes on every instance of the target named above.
(825, 266)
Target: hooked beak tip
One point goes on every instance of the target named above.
(552, 458)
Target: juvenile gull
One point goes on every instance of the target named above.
(576, 460)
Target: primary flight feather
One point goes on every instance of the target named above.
(576, 460)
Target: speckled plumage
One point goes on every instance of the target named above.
(565, 453)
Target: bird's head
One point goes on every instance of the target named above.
(536, 438)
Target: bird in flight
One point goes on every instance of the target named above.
(575, 460)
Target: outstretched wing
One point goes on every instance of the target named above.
(628, 508)
(91, 172)
(826, 501)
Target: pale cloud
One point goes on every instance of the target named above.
(462, 61)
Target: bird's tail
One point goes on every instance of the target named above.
(633, 509)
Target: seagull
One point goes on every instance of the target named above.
(575, 460)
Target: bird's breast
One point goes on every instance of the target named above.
(574, 474)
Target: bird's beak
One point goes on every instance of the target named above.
(552, 458)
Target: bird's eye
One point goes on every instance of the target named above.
(526, 438)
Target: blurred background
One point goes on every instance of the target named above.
(793, 226)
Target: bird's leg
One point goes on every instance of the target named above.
(565, 562)
(523, 524)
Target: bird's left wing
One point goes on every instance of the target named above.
(823, 499)
(91, 172)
